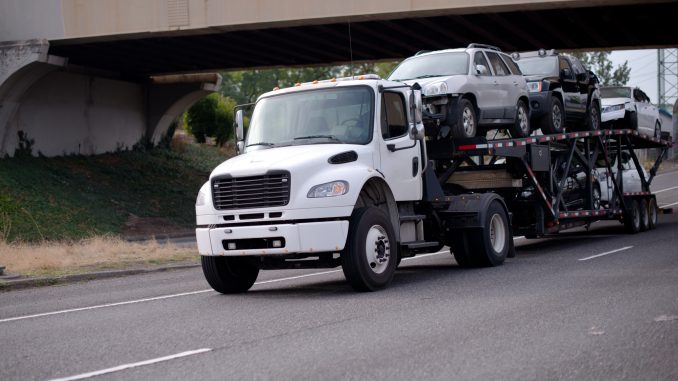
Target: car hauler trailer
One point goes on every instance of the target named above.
(349, 172)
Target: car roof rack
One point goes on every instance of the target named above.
(485, 46)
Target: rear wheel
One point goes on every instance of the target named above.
(554, 120)
(466, 124)
(593, 117)
(644, 215)
(632, 217)
(460, 248)
(229, 275)
(371, 255)
(652, 213)
(521, 126)
(490, 245)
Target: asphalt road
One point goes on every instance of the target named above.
(597, 305)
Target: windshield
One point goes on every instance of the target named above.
(539, 66)
(615, 92)
(334, 115)
(431, 65)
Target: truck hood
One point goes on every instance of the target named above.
(260, 161)
(614, 101)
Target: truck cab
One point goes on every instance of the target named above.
(326, 173)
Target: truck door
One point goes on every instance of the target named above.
(401, 163)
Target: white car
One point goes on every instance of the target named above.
(627, 107)
(631, 181)
(469, 91)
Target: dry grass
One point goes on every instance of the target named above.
(99, 253)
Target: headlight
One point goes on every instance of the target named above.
(436, 89)
(200, 201)
(334, 188)
(534, 87)
(613, 108)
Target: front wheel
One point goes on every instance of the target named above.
(371, 254)
(465, 125)
(554, 120)
(229, 275)
(521, 126)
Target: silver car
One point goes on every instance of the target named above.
(627, 107)
(468, 91)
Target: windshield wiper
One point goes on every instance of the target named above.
(331, 137)
(260, 144)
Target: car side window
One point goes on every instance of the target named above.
(393, 116)
(565, 69)
(479, 59)
(498, 65)
(577, 66)
(515, 70)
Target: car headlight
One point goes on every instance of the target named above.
(200, 201)
(613, 108)
(436, 89)
(331, 189)
(534, 87)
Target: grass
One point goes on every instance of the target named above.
(76, 197)
(95, 254)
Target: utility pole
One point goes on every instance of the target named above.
(667, 78)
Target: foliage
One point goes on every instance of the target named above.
(599, 62)
(211, 117)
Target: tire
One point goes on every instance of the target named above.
(592, 122)
(632, 218)
(466, 123)
(652, 213)
(459, 247)
(554, 120)
(491, 244)
(632, 121)
(521, 126)
(644, 215)
(371, 254)
(229, 275)
(657, 130)
(596, 197)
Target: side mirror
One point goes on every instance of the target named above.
(238, 124)
(416, 127)
(240, 147)
(481, 70)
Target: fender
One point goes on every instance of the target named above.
(467, 210)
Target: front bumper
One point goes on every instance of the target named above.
(612, 115)
(307, 237)
(539, 103)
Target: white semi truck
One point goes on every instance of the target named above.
(346, 172)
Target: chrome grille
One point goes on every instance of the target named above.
(269, 190)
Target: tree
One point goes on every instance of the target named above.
(212, 117)
(600, 63)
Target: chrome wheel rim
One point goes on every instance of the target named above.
(557, 117)
(497, 233)
(377, 249)
(594, 119)
(596, 199)
(468, 122)
(522, 119)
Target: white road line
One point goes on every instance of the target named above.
(132, 365)
(667, 173)
(605, 253)
(667, 205)
(665, 190)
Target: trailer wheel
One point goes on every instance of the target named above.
(644, 215)
(466, 124)
(371, 254)
(521, 126)
(229, 275)
(652, 213)
(460, 249)
(554, 120)
(632, 218)
(490, 245)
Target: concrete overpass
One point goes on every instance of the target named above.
(78, 72)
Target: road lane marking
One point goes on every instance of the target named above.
(606, 253)
(667, 173)
(667, 205)
(665, 190)
(132, 365)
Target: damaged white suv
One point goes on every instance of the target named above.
(467, 92)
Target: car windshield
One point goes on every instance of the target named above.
(334, 115)
(431, 65)
(539, 65)
(615, 92)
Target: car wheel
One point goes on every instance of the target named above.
(593, 117)
(521, 126)
(466, 124)
(229, 275)
(371, 255)
(652, 213)
(554, 120)
(632, 217)
(657, 130)
(596, 197)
